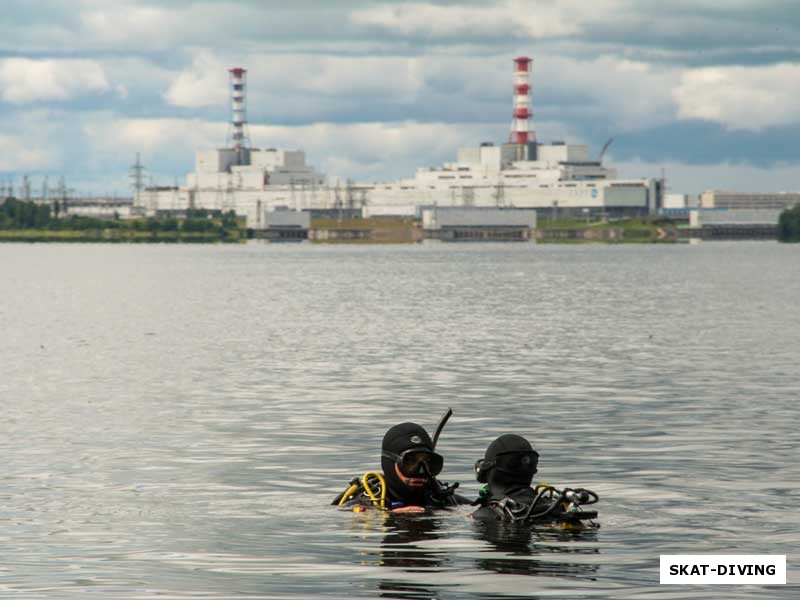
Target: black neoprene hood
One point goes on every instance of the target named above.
(406, 436)
(402, 437)
(510, 442)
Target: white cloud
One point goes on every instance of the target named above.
(116, 23)
(624, 94)
(512, 18)
(358, 150)
(204, 83)
(163, 135)
(310, 87)
(24, 80)
(146, 26)
(298, 82)
(375, 151)
(749, 98)
(17, 154)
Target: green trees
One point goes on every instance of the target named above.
(789, 225)
(16, 214)
(41, 222)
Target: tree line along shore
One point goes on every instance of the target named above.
(22, 221)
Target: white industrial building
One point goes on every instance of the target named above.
(555, 177)
(267, 179)
(558, 178)
(749, 200)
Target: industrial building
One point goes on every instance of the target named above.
(460, 223)
(741, 214)
(556, 178)
(749, 200)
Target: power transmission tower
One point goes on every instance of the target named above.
(349, 199)
(62, 197)
(152, 198)
(337, 200)
(137, 177)
(229, 199)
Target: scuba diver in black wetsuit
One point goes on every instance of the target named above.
(408, 482)
(507, 469)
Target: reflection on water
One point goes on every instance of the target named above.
(525, 550)
(177, 419)
(403, 547)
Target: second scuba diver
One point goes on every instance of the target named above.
(507, 469)
(408, 480)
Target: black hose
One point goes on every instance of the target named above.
(535, 501)
(550, 509)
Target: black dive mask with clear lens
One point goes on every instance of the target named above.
(417, 463)
(517, 462)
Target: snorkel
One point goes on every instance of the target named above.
(442, 422)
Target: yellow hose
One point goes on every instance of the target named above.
(364, 481)
(353, 487)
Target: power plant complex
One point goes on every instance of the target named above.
(521, 173)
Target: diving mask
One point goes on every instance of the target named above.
(417, 462)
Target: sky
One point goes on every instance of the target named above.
(705, 92)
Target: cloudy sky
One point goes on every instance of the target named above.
(707, 90)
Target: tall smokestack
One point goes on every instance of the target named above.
(520, 129)
(237, 132)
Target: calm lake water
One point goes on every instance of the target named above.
(176, 419)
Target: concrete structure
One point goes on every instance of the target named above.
(434, 217)
(675, 201)
(734, 223)
(558, 179)
(562, 180)
(283, 225)
(287, 219)
(749, 200)
(478, 224)
(100, 208)
(268, 178)
(736, 216)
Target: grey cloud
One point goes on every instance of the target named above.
(457, 79)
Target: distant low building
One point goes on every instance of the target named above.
(100, 208)
(734, 216)
(749, 200)
(679, 201)
(478, 223)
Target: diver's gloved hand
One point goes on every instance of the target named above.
(408, 509)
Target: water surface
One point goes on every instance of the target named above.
(177, 418)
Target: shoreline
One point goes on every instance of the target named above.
(114, 236)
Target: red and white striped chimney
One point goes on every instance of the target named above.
(238, 126)
(520, 128)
